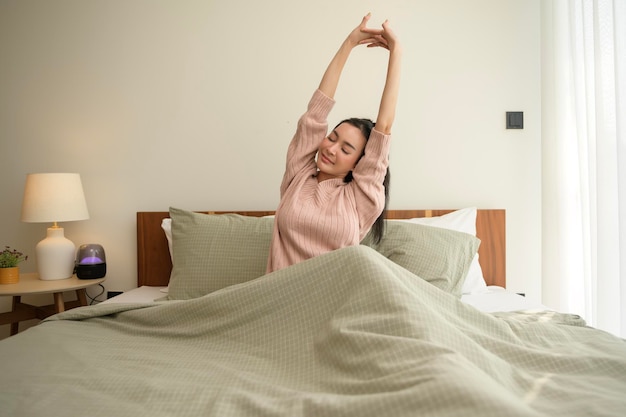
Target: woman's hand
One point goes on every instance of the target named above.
(362, 35)
(385, 38)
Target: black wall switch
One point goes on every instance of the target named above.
(514, 120)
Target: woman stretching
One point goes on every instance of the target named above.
(336, 185)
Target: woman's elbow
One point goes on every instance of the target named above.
(383, 127)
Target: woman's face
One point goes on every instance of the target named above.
(340, 151)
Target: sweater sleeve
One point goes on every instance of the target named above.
(368, 177)
(311, 130)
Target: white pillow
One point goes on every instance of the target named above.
(463, 220)
(166, 225)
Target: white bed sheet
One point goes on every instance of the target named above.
(144, 294)
(496, 299)
(493, 299)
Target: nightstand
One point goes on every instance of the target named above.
(31, 284)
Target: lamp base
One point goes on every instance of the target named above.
(55, 256)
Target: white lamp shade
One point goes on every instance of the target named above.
(53, 198)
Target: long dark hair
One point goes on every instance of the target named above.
(366, 126)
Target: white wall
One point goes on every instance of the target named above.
(192, 104)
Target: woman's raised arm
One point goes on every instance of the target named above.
(387, 111)
(359, 36)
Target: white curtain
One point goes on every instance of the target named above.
(584, 160)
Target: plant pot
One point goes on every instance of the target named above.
(9, 275)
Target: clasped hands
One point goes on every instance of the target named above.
(363, 35)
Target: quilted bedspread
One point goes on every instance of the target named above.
(348, 333)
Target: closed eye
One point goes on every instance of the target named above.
(347, 147)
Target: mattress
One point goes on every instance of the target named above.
(492, 300)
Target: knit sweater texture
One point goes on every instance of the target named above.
(314, 217)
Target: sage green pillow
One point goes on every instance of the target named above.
(439, 256)
(214, 251)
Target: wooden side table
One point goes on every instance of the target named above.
(31, 284)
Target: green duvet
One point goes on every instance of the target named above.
(348, 333)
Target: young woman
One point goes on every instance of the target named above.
(334, 188)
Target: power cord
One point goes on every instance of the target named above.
(94, 300)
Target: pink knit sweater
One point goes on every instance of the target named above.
(314, 218)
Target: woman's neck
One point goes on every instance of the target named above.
(322, 176)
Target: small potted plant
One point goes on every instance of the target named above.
(9, 265)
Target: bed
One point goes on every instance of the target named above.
(370, 330)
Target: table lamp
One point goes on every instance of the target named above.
(54, 198)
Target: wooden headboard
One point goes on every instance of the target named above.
(154, 265)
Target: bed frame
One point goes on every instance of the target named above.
(154, 265)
